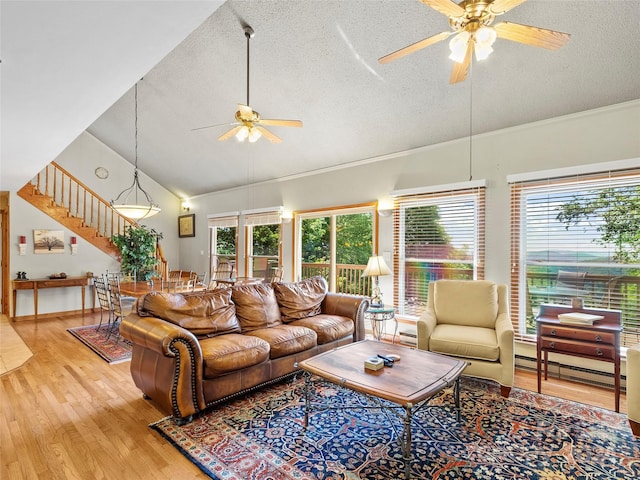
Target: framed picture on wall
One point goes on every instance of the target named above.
(48, 241)
(187, 225)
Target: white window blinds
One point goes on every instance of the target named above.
(437, 235)
(576, 236)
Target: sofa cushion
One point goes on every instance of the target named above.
(466, 302)
(256, 306)
(228, 353)
(300, 299)
(464, 341)
(204, 313)
(327, 327)
(286, 339)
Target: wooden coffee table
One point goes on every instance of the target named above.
(409, 384)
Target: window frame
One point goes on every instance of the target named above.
(435, 195)
(555, 183)
(331, 212)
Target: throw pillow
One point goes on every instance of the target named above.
(256, 306)
(205, 314)
(301, 299)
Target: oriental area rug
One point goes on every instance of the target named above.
(112, 348)
(528, 436)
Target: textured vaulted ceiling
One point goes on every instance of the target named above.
(316, 60)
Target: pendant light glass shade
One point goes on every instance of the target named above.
(135, 211)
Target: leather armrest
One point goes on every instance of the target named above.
(350, 306)
(156, 334)
(176, 383)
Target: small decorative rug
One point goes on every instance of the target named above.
(114, 349)
(528, 436)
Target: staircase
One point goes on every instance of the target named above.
(64, 198)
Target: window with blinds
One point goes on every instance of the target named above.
(576, 236)
(263, 245)
(223, 231)
(437, 235)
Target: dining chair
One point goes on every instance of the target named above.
(277, 274)
(223, 272)
(102, 292)
(120, 305)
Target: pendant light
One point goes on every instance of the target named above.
(137, 210)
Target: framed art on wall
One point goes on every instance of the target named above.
(187, 225)
(48, 241)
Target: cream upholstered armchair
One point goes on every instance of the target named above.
(633, 388)
(470, 319)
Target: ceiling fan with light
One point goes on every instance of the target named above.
(471, 21)
(249, 125)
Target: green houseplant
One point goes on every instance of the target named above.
(137, 246)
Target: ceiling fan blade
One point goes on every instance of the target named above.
(535, 36)
(414, 47)
(446, 7)
(281, 123)
(498, 7)
(268, 135)
(216, 125)
(230, 133)
(459, 72)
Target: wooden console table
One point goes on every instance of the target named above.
(600, 341)
(39, 283)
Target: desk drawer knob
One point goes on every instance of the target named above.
(599, 352)
(598, 338)
(553, 332)
(552, 345)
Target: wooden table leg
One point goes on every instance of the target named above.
(538, 367)
(35, 300)
(83, 289)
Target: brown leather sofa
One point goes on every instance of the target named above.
(193, 350)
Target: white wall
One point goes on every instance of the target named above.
(607, 134)
(81, 159)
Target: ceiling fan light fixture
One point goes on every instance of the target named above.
(485, 35)
(242, 134)
(458, 46)
(482, 51)
(254, 135)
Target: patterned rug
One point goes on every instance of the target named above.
(528, 436)
(114, 349)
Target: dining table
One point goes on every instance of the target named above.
(240, 280)
(139, 288)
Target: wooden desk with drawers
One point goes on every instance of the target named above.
(600, 341)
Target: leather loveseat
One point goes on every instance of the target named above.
(193, 350)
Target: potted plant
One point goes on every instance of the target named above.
(137, 246)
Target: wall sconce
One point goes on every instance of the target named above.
(186, 206)
(286, 216)
(22, 245)
(74, 245)
(385, 207)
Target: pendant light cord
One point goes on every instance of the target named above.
(470, 121)
(248, 35)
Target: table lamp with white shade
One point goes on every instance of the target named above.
(376, 266)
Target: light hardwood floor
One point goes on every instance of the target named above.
(67, 414)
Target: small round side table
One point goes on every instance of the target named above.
(378, 317)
